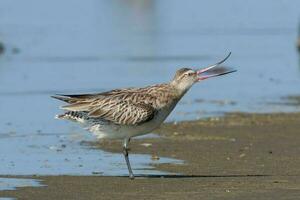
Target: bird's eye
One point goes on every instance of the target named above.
(190, 74)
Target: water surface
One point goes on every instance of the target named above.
(13, 183)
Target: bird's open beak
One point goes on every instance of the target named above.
(201, 71)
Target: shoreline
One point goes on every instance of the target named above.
(224, 157)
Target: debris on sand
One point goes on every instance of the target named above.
(154, 157)
(242, 155)
(146, 144)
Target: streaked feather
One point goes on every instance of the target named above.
(131, 106)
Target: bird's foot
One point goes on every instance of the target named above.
(131, 176)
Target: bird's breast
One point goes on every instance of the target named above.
(163, 113)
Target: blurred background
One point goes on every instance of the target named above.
(64, 46)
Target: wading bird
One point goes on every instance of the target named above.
(126, 113)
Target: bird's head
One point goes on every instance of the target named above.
(186, 77)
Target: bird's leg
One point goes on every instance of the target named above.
(125, 152)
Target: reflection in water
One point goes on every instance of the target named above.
(66, 154)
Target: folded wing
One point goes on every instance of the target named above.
(117, 110)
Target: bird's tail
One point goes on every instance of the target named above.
(61, 116)
(73, 116)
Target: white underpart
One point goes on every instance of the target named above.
(114, 131)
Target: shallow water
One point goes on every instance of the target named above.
(64, 154)
(13, 183)
(90, 46)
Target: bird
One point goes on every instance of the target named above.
(129, 112)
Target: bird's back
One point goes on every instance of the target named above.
(131, 106)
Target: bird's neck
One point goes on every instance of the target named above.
(178, 89)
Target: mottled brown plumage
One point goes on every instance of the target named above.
(131, 106)
(125, 113)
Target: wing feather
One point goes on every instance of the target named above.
(118, 111)
(131, 106)
(124, 113)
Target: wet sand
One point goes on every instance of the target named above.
(239, 156)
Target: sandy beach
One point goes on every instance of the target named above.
(239, 156)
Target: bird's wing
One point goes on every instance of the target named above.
(119, 109)
(123, 112)
(74, 98)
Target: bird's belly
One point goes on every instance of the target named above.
(114, 131)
